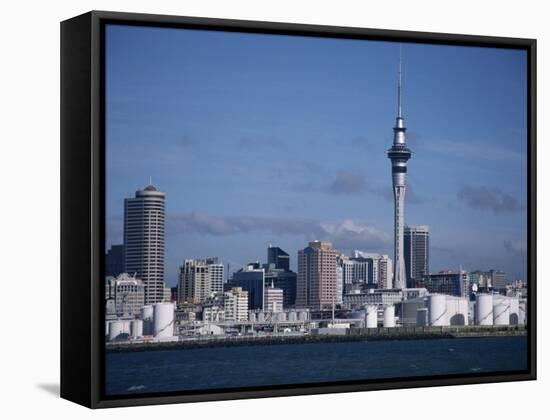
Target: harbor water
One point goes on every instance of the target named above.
(235, 367)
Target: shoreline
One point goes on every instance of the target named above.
(353, 335)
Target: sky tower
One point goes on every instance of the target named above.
(399, 154)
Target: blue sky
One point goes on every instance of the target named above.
(271, 139)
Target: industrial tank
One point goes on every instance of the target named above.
(484, 309)
(501, 313)
(136, 328)
(261, 316)
(514, 310)
(303, 316)
(163, 319)
(389, 316)
(372, 316)
(279, 316)
(252, 316)
(437, 309)
(422, 317)
(522, 318)
(115, 329)
(457, 310)
(147, 317)
(292, 316)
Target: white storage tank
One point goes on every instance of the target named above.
(280, 316)
(292, 316)
(115, 329)
(252, 316)
(522, 312)
(437, 309)
(163, 319)
(501, 313)
(261, 316)
(484, 309)
(372, 316)
(136, 328)
(422, 317)
(457, 310)
(514, 310)
(389, 316)
(147, 317)
(303, 315)
(126, 326)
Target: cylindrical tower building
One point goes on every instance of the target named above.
(399, 154)
(144, 240)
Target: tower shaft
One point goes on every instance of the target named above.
(399, 154)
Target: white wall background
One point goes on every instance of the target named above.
(29, 229)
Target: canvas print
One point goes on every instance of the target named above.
(289, 210)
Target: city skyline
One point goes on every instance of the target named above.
(327, 173)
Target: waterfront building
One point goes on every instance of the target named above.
(236, 304)
(316, 281)
(448, 283)
(144, 219)
(279, 258)
(273, 299)
(213, 313)
(416, 253)
(199, 278)
(399, 154)
(114, 261)
(127, 294)
(359, 298)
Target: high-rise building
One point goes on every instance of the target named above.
(416, 253)
(339, 285)
(356, 270)
(252, 280)
(198, 279)
(278, 257)
(385, 272)
(127, 293)
(399, 154)
(498, 280)
(376, 269)
(316, 282)
(236, 304)
(114, 261)
(284, 280)
(144, 218)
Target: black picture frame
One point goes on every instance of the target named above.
(83, 218)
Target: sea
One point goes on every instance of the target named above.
(286, 364)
